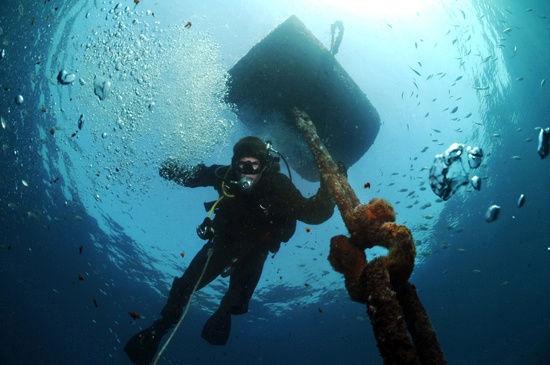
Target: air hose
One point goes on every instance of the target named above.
(209, 255)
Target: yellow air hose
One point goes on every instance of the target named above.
(209, 254)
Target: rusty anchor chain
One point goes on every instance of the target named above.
(394, 309)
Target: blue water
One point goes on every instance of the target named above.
(88, 203)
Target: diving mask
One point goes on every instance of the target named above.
(248, 167)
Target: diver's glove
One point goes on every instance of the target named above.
(181, 174)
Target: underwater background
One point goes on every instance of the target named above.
(90, 233)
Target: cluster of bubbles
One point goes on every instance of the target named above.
(448, 174)
(146, 93)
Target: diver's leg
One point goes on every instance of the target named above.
(141, 348)
(242, 284)
(183, 286)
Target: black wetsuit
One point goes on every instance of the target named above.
(247, 227)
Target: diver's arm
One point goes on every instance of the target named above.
(317, 209)
(187, 175)
(314, 210)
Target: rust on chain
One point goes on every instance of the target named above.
(394, 309)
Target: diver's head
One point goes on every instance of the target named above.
(249, 161)
(250, 147)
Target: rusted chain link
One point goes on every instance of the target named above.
(394, 309)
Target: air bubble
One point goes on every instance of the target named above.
(65, 78)
(102, 86)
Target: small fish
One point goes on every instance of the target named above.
(134, 315)
(458, 78)
(80, 249)
(542, 83)
(460, 250)
(507, 30)
(81, 121)
(424, 149)
(516, 157)
(468, 116)
(428, 113)
(416, 72)
(521, 200)
(436, 130)
(454, 110)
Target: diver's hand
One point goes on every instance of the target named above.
(169, 169)
(181, 174)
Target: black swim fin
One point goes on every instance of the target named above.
(217, 328)
(141, 348)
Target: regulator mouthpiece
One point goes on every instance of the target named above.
(246, 183)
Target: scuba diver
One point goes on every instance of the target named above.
(257, 209)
